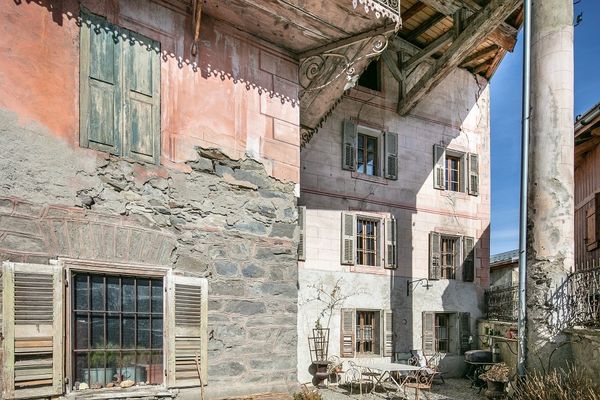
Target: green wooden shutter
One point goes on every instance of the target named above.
(435, 256)
(428, 332)
(33, 329)
(390, 243)
(464, 332)
(388, 333)
(391, 155)
(187, 330)
(302, 235)
(349, 145)
(347, 343)
(100, 85)
(473, 174)
(142, 98)
(348, 250)
(439, 167)
(468, 267)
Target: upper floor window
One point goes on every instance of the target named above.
(367, 155)
(371, 76)
(455, 171)
(369, 151)
(368, 241)
(449, 254)
(119, 91)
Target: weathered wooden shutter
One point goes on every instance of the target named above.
(142, 98)
(468, 267)
(348, 253)
(592, 224)
(390, 243)
(464, 330)
(439, 167)
(391, 155)
(349, 145)
(347, 334)
(302, 235)
(187, 330)
(100, 85)
(428, 332)
(33, 322)
(377, 332)
(388, 333)
(473, 174)
(435, 256)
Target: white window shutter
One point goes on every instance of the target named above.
(349, 145)
(348, 239)
(388, 333)
(439, 167)
(435, 256)
(391, 155)
(428, 332)
(391, 240)
(187, 330)
(347, 330)
(302, 235)
(33, 329)
(473, 174)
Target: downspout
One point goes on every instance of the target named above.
(522, 350)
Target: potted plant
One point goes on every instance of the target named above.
(100, 371)
(496, 378)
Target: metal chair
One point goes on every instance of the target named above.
(419, 380)
(354, 376)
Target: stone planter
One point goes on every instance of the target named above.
(495, 390)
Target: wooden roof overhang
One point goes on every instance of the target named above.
(587, 132)
(335, 40)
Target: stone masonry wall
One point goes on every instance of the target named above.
(221, 218)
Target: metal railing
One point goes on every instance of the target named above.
(502, 303)
(576, 302)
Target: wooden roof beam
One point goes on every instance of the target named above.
(480, 54)
(429, 50)
(414, 10)
(425, 26)
(479, 28)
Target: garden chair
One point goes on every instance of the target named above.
(335, 367)
(430, 365)
(419, 380)
(355, 377)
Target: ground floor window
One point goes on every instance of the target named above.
(118, 329)
(446, 332)
(442, 334)
(366, 331)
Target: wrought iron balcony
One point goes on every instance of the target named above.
(502, 303)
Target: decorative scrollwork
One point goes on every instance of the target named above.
(382, 8)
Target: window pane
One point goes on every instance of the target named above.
(157, 333)
(143, 332)
(81, 368)
(97, 331)
(128, 332)
(143, 361)
(113, 294)
(81, 292)
(155, 370)
(97, 292)
(157, 296)
(81, 331)
(128, 295)
(143, 295)
(113, 328)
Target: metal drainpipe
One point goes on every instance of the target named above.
(522, 353)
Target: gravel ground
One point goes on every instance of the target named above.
(453, 389)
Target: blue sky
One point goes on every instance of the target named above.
(506, 120)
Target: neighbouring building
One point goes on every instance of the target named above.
(504, 269)
(587, 189)
(395, 204)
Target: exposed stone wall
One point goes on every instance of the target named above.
(222, 218)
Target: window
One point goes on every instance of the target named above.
(369, 151)
(119, 91)
(455, 171)
(366, 242)
(367, 157)
(449, 256)
(366, 332)
(448, 253)
(118, 329)
(371, 76)
(446, 332)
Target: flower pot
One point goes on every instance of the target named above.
(100, 376)
(495, 390)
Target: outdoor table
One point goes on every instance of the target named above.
(384, 369)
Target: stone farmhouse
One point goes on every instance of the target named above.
(153, 157)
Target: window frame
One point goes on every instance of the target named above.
(374, 314)
(119, 269)
(379, 241)
(456, 256)
(461, 157)
(379, 136)
(436, 330)
(364, 238)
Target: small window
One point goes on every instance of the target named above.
(366, 241)
(367, 155)
(446, 332)
(449, 253)
(442, 333)
(117, 329)
(371, 77)
(453, 174)
(367, 329)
